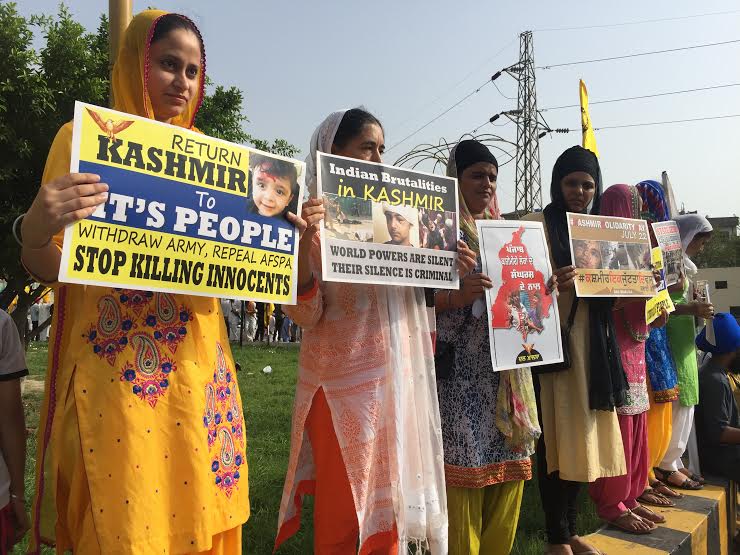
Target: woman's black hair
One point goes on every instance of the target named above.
(171, 21)
(351, 125)
(702, 235)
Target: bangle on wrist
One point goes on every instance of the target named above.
(18, 238)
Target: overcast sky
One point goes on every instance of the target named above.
(408, 61)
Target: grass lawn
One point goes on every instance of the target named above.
(268, 403)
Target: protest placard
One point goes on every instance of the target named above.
(611, 256)
(655, 306)
(386, 225)
(524, 325)
(669, 241)
(186, 213)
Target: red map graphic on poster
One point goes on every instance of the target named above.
(522, 302)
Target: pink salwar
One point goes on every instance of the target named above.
(616, 495)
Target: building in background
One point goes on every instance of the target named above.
(724, 288)
(729, 226)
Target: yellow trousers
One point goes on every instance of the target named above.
(659, 428)
(484, 520)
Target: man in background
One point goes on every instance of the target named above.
(717, 420)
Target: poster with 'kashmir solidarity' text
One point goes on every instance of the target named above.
(524, 324)
(185, 213)
(611, 256)
(386, 225)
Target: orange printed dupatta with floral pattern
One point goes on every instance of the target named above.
(142, 434)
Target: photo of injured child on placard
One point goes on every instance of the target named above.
(274, 188)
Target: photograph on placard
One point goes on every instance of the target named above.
(612, 256)
(387, 225)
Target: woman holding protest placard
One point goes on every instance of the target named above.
(663, 382)
(580, 439)
(695, 232)
(489, 419)
(616, 496)
(142, 441)
(366, 438)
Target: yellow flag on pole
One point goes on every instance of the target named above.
(589, 139)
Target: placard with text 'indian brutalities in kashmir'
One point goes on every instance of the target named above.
(387, 225)
(185, 213)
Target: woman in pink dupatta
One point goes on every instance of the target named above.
(366, 436)
(616, 497)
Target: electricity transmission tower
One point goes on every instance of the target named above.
(528, 183)
(529, 131)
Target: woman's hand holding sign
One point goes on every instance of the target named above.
(466, 258)
(63, 201)
(565, 277)
(310, 221)
(474, 287)
(308, 225)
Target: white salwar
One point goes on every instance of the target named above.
(683, 418)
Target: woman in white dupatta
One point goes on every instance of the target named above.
(366, 437)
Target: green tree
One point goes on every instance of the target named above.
(221, 116)
(720, 252)
(38, 88)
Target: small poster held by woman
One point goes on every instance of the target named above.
(524, 326)
(611, 256)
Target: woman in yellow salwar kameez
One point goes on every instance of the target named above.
(142, 443)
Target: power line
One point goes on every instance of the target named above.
(640, 22)
(641, 54)
(460, 82)
(455, 105)
(645, 124)
(474, 131)
(591, 103)
(502, 94)
(666, 122)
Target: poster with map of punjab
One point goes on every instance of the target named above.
(523, 320)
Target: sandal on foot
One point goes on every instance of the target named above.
(627, 522)
(687, 484)
(691, 476)
(585, 547)
(552, 549)
(651, 497)
(646, 514)
(665, 491)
